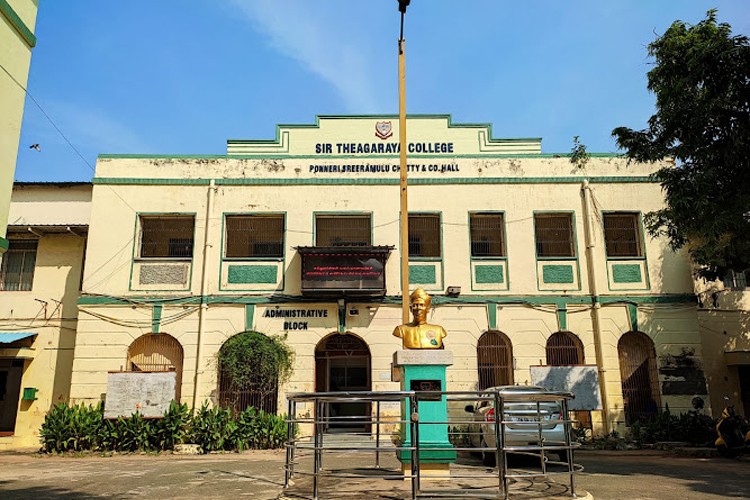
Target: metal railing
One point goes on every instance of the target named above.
(309, 442)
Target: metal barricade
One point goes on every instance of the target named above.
(309, 439)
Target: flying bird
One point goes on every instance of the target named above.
(35, 146)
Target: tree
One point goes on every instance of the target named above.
(701, 81)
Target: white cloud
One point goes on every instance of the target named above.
(308, 32)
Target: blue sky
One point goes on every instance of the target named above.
(183, 76)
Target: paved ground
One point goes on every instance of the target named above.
(259, 475)
(641, 475)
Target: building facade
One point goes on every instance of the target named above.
(724, 325)
(17, 21)
(531, 260)
(40, 279)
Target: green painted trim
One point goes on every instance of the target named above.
(422, 275)
(156, 317)
(644, 259)
(252, 274)
(228, 261)
(576, 257)
(626, 273)
(277, 156)
(557, 274)
(492, 316)
(489, 275)
(342, 319)
(4, 243)
(391, 299)
(633, 316)
(562, 317)
(136, 241)
(249, 316)
(611, 179)
(17, 23)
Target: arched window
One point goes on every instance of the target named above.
(564, 348)
(157, 352)
(494, 360)
(640, 380)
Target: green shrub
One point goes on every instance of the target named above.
(213, 428)
(173, 429)
(691, 427)
(72, 428)
(83, 428)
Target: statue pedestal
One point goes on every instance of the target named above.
(424, 370)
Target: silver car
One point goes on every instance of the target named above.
(525, 419)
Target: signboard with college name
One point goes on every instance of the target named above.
(357, 270)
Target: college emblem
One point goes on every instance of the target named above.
(383, 130)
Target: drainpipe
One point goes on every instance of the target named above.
(204, 286)
(596, 306)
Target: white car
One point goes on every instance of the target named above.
(524, 418)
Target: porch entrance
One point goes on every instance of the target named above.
(342, 364)
(11, 371)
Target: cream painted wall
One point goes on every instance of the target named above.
(15, 56)
(50, 311)
(280, 177)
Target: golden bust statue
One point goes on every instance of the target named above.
(419, 334)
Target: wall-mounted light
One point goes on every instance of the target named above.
(453, 291)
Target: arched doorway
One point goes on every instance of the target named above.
(157, 352)
(343, 363)
(640, 380)
(494, 360)
(564, 348)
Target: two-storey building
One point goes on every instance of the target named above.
(40, 282)
(531, 260)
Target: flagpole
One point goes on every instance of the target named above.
(404, 214)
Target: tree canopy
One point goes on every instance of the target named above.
(701, 81)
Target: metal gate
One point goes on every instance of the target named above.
(342, 364)
(564, 348)
(157, 352)
(494, 360)
(640, 383)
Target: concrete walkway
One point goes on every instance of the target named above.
(256, 474)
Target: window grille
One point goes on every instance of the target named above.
(554, 235)
(17, 271)
(564, 348)
(249, 236)
(487, 235)
(640, 379)
(157, 353)
(260, 394)
(733, 279)
(622, 235)
(424, 235)
(343, 230)
(167, 236)
(494, 360)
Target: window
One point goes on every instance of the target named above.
(255, 236)
(735, 279)
(424, 235)
(487, 233)
(343, 230)
(17, 272)
(167, 237)
(554, 235)
(622, 235)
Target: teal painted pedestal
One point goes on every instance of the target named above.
(424, 370)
